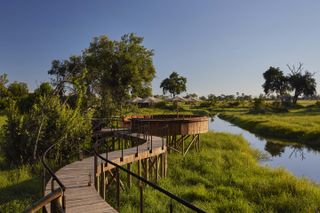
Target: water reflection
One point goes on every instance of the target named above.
(297, 158)
(275, 149)
(297, 153)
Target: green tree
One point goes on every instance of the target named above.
(18, 89)
(44, 89)
(175, 84)
(275, 82)
(3, 91)
(302, 83)
(116, 70)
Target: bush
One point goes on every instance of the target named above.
(48, 122)
(259, 106)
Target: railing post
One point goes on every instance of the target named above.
(44, 182)
(150, 132)
(95, 171)
(141, 198)
(103, 183)
(52, 204)
(107, 153)
(64, 203)
(121, 142)
(44, 187)
(128, 175)
(170, 206)
(118, 189)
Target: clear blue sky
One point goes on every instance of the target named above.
(220, 46)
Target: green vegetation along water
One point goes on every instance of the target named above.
(302, 127)
(225, 176)
(299, 159)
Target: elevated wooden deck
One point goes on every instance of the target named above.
(80, 197)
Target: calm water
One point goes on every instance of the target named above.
(299, 159)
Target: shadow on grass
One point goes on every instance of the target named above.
(19, 196)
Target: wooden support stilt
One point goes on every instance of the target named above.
(141, 198)
(118, 189)
(95, 171)
(156, 172)
(98, 184)
(103, 183)
(182, 145)
(139, 170)
(129, 176)
(161, 165)
(165, 164)
(146, 171)
(113, 143)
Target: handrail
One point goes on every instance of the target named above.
(52, 174)
(44, 201)
(156, 187)
(53, 178)
(56, 198)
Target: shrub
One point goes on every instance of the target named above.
(28, 135)
(259, 106)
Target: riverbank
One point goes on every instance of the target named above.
(225, 176)
(301, 127)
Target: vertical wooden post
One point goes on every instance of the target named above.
(141, 198)
(52, 204)
(55, 203)
(139, 171)
(98, 183)
(118, 189)
(103, 182)
(170, 206)
(182, 144)
(129, 176)
(161, 165)
(156, 172)
(165, 164)
(95, 171)
(113, 143)
(146, 172)
(44, 182)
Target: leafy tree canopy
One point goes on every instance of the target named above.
(18, 89)
(175, 84)
(275, 81)
(116, 69)
(299, 81)
(302, 82)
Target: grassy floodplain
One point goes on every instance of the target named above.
(225, 176)
(299, 126)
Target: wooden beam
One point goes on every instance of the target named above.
(57, 193)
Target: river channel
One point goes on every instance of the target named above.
(301, 160)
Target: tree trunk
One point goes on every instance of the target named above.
(295, 97)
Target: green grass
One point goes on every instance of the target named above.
(299, 126)
(18, 189)
(226, 177)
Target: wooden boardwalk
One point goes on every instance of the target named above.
(80, 197)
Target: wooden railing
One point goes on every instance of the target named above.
(56, 197)
(142, 182)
